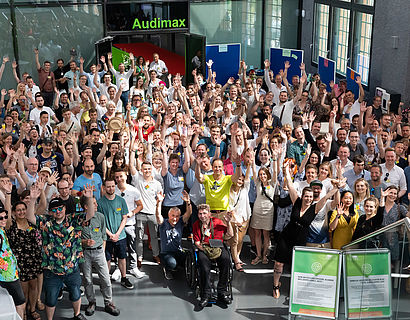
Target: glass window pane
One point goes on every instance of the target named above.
(321, 31)
(340, 38)
(76, 27)
(274, 24)
(6, 50)
(362, 44)
(365, 2)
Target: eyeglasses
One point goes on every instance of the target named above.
(4, 218)
(386, 177)
(59, 209)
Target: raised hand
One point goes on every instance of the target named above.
(287, 65)
(358, 80)
(102, 58)
(88, 190)
(5, 184)
(185, 196)
(6, 59)
(131, 56)
(53, 178)
(328, 138)
(14, 64)
(340, 210)
(363, 106)
(81, 60)
(231, 80)
(302, 66)
(150, 138)
(35, 51)
(3, 92)
(209, 63)
(109, 55)
(160, 197)
(267, 64)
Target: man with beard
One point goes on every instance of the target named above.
(89, 177)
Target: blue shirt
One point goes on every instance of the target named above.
(212, 147)
(90, 79)
(173, 187)
(96, 182)
(171, 236)
(70, 78)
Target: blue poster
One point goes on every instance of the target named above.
(226, 58)
(277, 59)
(327, 70)
(351, 81)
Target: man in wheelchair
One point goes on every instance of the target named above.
(170, 231)
(208, 235)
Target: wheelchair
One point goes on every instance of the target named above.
(193, 277)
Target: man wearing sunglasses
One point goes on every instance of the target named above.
(62, 251)
(392, 173)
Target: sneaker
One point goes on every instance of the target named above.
(89, 311)
(126, 283)
(116, 275)
(79, 317)
(60, 295)
(111, 309)
(168, 274)
(137, 273)
(82, 292)
(139, 264)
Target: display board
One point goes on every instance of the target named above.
(327, 70)
(367, 283)
(278, 57)
(351, 81)
(226, 58)
(315, 282)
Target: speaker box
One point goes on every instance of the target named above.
(395, 99)
(102, 47)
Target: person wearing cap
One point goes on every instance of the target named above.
(62, 251)
(51, 159)
(318, 235)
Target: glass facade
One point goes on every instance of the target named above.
(340, 38)
(53, 29)
(321, 32)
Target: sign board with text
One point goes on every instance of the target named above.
(315, 282)
(367, 284)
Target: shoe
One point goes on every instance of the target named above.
(137, 273)
(157, 259)
(111, 309)
(40, 305)
(89, 311)
(82, 292)
(204, 302)
(276, 291)
(265, 260)
(139, 264)
(60, 295)
(224, 299)
(116, 275)
(256, 261)
(79, 317)
(126, 283)
(168, 274)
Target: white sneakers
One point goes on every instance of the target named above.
(116, 275)
(137, 273)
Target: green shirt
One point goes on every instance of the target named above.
(95, 230)
(8, 262)
(113, 211)
(297, 151)
(217, 192)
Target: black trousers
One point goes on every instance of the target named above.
(205, 272)
(48, 98)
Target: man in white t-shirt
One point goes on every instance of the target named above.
(148, 188)
(38, 108)
(122, 78)
(132, 197)
(350, 101)
(392, 174)
(284, 110)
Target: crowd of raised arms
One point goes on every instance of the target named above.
(90, 165)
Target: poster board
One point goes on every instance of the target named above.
(367, 284)
(226, 58)
(327, 71)
(278, 56)
(351, 81)
(315, 282)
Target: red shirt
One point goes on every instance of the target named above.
(46, 80)
(219, 230)
(145, 132)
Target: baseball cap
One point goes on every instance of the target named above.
(47, 140)
(46, 169)
(316, 183)
(55, 203)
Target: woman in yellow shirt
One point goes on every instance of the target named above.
(343, 221)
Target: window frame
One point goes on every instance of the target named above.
(354, 8)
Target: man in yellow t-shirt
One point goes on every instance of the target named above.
(217, 185)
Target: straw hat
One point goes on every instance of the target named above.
(115, 124)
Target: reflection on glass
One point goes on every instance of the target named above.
(77, 27)
(321, 31)
(340, 41)
(6, 49)
(362, 44)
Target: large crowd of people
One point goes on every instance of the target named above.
(91, 161)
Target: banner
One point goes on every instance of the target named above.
(367, 283)
(315, 282)
(327, 70)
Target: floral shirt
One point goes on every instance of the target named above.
(8, 262)
(62, 251)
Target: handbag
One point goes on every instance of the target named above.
(211, 252)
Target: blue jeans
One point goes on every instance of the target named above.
(124, 99)
(53, 283)
(170, 260)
